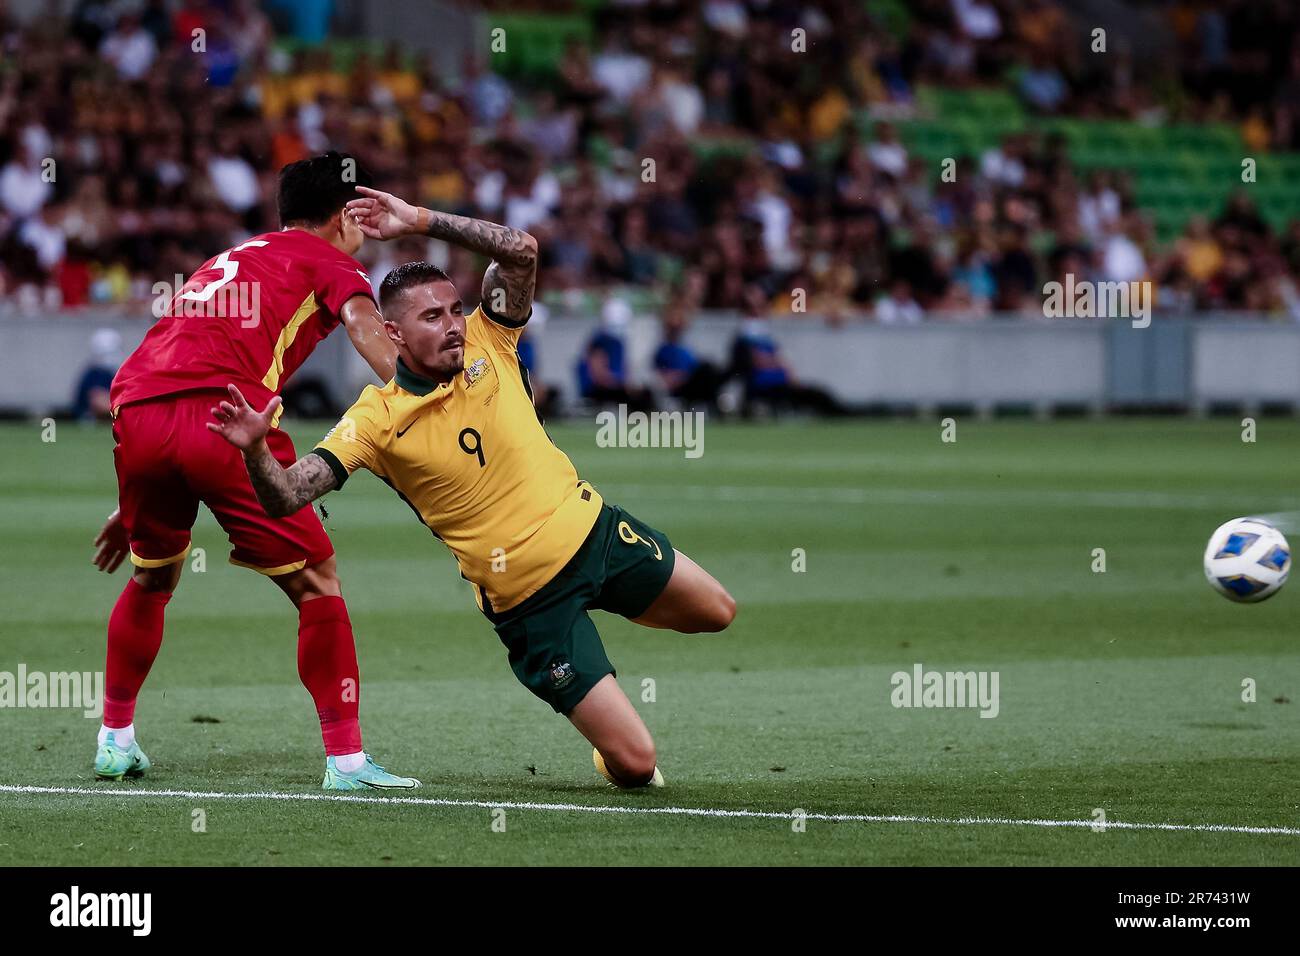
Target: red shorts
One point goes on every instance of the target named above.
(167, 462)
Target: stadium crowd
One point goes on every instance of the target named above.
(137, 139)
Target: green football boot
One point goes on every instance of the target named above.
(113, 762)
(370, 776)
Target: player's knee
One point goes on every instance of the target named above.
(314, 581)
(720, 612)
(164, 578)
(325, 577)
(726, 610)
(633, 763)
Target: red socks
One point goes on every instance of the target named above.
(135, 630)
(327, 661)
(327, 664)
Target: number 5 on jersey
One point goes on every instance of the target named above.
(228, 271)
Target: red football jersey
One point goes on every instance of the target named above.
(249, 316)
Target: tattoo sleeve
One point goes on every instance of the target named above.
(510, 280)
(282, 491)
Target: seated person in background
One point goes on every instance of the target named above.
(602, 370)
(90, 400)
(899, 307)
(756, 359)
(683, 375)
(546, 397)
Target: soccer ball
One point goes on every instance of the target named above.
(1247, 560)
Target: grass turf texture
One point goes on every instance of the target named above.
(1120, 691)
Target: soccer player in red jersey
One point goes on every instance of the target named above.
(249, 317)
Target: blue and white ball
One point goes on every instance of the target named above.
(1247, 560)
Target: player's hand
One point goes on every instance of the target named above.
(382, 215)
(111, 546)
(241, 424)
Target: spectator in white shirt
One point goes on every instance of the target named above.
(773, 212)
(1002, 164)
(130, 48)
(977, 20)
(23, 185)
(681, 99)
(899, 308)
(622, 74)
(726, 16)
(44, 236)
(1121, 257)
(234, 181)
(887, 153)
(1099, 207)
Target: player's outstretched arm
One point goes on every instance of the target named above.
(360, 316)
(509, 281)
(281, 491)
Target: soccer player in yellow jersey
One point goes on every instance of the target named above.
(456, 435)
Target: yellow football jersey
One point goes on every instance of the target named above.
(472, 459)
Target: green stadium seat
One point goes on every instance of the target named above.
(535, 43)
(1178, 171)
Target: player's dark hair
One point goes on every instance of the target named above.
(312, 190)
(408, 276)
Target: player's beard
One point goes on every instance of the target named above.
(441, 367)
(449, 362)
(454, 359)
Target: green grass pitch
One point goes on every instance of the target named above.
(1120, 690)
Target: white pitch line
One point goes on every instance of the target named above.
(827, 494)
(662, 811)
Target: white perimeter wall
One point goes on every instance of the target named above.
(984, 364)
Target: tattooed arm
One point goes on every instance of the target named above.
(282, 491)
(509, 281)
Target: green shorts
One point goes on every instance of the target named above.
(553, 645)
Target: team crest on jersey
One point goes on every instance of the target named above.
(474, 371)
